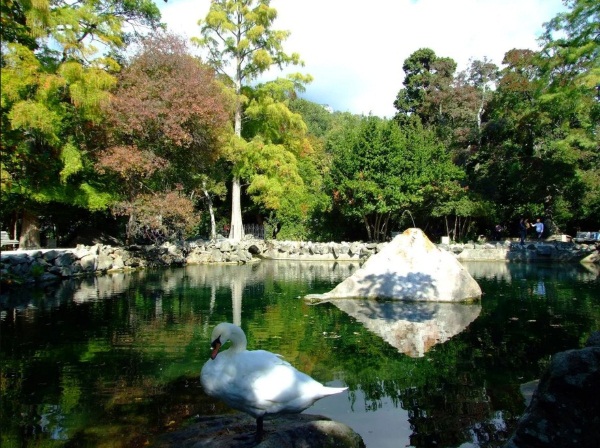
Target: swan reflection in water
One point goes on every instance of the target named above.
(412, 328)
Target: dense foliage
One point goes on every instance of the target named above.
(165, 125)
(169, 147)
(58, 67)
(242, 44)
(380, 170)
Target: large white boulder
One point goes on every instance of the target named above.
(410, 267)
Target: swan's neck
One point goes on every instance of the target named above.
(238, 340)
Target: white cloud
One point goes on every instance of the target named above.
(355, 49)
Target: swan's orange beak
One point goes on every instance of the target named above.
(216, 345)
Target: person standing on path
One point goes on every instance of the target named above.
(497, 232)
(539, 228)
(523, 230)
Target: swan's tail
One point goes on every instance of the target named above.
(333, 390)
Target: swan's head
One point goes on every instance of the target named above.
(227, 332)
(215, 345)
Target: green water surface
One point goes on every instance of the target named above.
(114, 361)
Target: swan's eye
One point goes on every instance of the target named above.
(216, 341)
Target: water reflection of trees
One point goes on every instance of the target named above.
(167, 281)
(515, 271)
(94, 355)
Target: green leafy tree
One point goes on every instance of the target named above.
(281, 164)
(14, 24)
(535, 153)
(379, 171)
(427, 88)
(318, 119)
(510, 165)
(482, 75)
(461, 211)
(57, 71)
(539, 153)
(242, 45)
(466, 112)
(455, 106)
(570, 66)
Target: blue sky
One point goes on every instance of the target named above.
(354, 49)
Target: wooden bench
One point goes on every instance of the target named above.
(6, 240)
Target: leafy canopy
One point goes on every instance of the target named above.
(57, 70)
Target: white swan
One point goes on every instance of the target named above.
(257, 382)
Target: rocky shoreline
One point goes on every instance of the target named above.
(564, 410)
(45, 265)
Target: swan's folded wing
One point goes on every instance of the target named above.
(282, 388)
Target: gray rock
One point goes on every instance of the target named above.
(238, 430)
(243, 255)
(51, 255)
(104, 262)
(216, 256)
(17, 259)
(544, 250)
(321, 249)
(66, 259)
(198, 256)
(117, 262)
(565, 408)
(64, 271)
(35, 254)
(342, 249)
(66, 262)
(355, 249)
(48, 277)
(593, 340)
(22, 269)
(41, 263)
(366, 252)
(89, 262)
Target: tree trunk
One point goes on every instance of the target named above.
(384, 226)
(366, 221)
(211, 213)
(380, 226)
(236, 232)
(30, 231)
(480, 111)
(454, 229)
(465, 227)
(15, 226)
(130, 229)
(377, 227)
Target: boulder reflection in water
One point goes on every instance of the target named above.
(412, 328)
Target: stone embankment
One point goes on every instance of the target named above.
(53, 264)
(555, 251)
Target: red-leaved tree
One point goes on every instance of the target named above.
(167, 119)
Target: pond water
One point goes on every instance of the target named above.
(114, 361)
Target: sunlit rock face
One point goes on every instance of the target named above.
(410, 267)
(412, 328)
